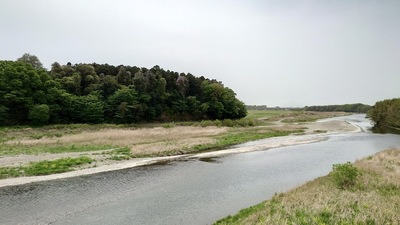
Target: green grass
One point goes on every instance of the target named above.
(244, 122)
(7, 172)
(266, 114)
(44, 167)
(374, 199)
(50, 131)
(234, 138)
(119, 154)
(241, 214)
(17, 149)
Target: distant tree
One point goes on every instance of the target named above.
(32, 60)
(356, 108)
(96, 93)
(39, 114)
(386, 114)
(108, 85)
(233, 108)
(123, 106)
(182, 83)
(72, 83)
(140, 82)
(258, 107)
(21, 87)
(90, 81)
(124, 77)
(3, 115)
(87, 109)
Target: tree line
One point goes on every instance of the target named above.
(256, 107)
(103, 93)
(386, 114)
(355, 108)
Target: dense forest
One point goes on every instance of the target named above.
(102, 93)
(355, 108)
(386, 114)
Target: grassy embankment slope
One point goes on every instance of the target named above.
(374, 198)
(62, 146)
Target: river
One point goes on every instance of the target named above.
(195, 191)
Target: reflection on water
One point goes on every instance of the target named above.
(185, 192)
(210, 160)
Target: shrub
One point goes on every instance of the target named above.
(228, 123)
(345, 175)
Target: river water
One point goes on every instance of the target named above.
(186, 192)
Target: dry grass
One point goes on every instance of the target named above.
(385, 163)
(126, 137)
(173, 146)
(142, 142)
(374, 200)
(21, 145)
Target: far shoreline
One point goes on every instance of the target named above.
(333, 127)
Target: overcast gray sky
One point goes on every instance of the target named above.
(277, 53)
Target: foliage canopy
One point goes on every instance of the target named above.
(355, 108)
(386, 113)
(97, 93)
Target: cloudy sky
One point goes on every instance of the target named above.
(277, 53)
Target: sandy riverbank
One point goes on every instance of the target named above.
(317, 131)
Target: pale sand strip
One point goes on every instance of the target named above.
(257, 146)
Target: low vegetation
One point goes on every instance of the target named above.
(367, 192)
(119, 154)
(241, 137)
(107, 143)
(44, 167)
(345, 175)
(306, 117)
(184, 135)
(25, 147)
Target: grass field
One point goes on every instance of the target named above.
(44, 167)
(373, 199)
(168, 137)
(112, 142)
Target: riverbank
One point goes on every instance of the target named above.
(314, 132)
(373, 199)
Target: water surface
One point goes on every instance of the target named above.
(185, 192)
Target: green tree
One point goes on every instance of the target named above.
(108, 85)
(124, 77)
(21, 87)
(222, 102)
(89, 80)
(39, 114)
(123, 106)
(32, 60)
(386, 113)
(3, 115)
(85, 93)
(87, 109)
